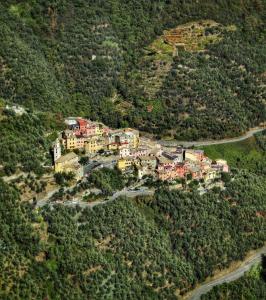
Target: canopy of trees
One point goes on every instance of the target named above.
(82, 57)
(148, 248)
(107, 180)
(24, 141)
(251, 286)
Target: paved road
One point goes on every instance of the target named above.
(123, 193)
(247, 135)
(129, 193)
(235, 274)
(45, 199)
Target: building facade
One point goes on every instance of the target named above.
(69, 163)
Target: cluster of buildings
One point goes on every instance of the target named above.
(169, 166)
(150, 160)
(66, 163)
(94, 137)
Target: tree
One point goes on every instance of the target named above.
(225, 177)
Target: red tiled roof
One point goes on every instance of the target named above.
(82, 122)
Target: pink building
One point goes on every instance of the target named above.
(181, 170)
(85, 128)
(222, 164)
(172, 172)
(199, 154)
(165, 163)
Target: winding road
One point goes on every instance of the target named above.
(243, 137)
(205, 287)
(129, 193)
(123, 193)
(231, 276)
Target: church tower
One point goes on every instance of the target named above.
(57, 150)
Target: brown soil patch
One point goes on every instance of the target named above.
(194, 36)
(104, 244)
(92, 270)
(40, 257)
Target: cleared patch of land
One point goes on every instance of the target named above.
(244, 154)
(158, 57)
(195, 36)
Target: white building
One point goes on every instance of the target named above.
(123, 152)
(57, 150)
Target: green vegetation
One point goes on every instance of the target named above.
(214, 93)
(18, 241)
(106, 60)
(251, 286)
(88, 59)
(246, 154)
(261, 139)
(23, 142)
(107, 180)
(63, 178)
(148, 248)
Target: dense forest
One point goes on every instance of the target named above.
(251, 286)
(106, 60)
(87, 58)
(25, 141)
(148, 248)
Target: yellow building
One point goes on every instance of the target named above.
(123, 136)
(125, 163)
(69, 163)
(99, 129)
(132, 137)
(191, 155)
(94, 145)
(210, 175)
(113, 146)
(71, 141)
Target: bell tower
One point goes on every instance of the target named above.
(57, 150)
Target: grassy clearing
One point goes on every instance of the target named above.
(160, 46)
(244, 155)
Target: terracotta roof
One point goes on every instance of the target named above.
(82, 122)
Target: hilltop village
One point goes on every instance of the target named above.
(126, 150)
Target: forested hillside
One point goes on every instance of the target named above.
(110, 60)
(25, 141)
(93, 58)
(148, 248)
(251, 286)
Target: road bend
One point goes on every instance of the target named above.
(233, 275)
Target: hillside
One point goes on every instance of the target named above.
(249, 154)
(108, 60)
(148, 248)
(251, 286)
